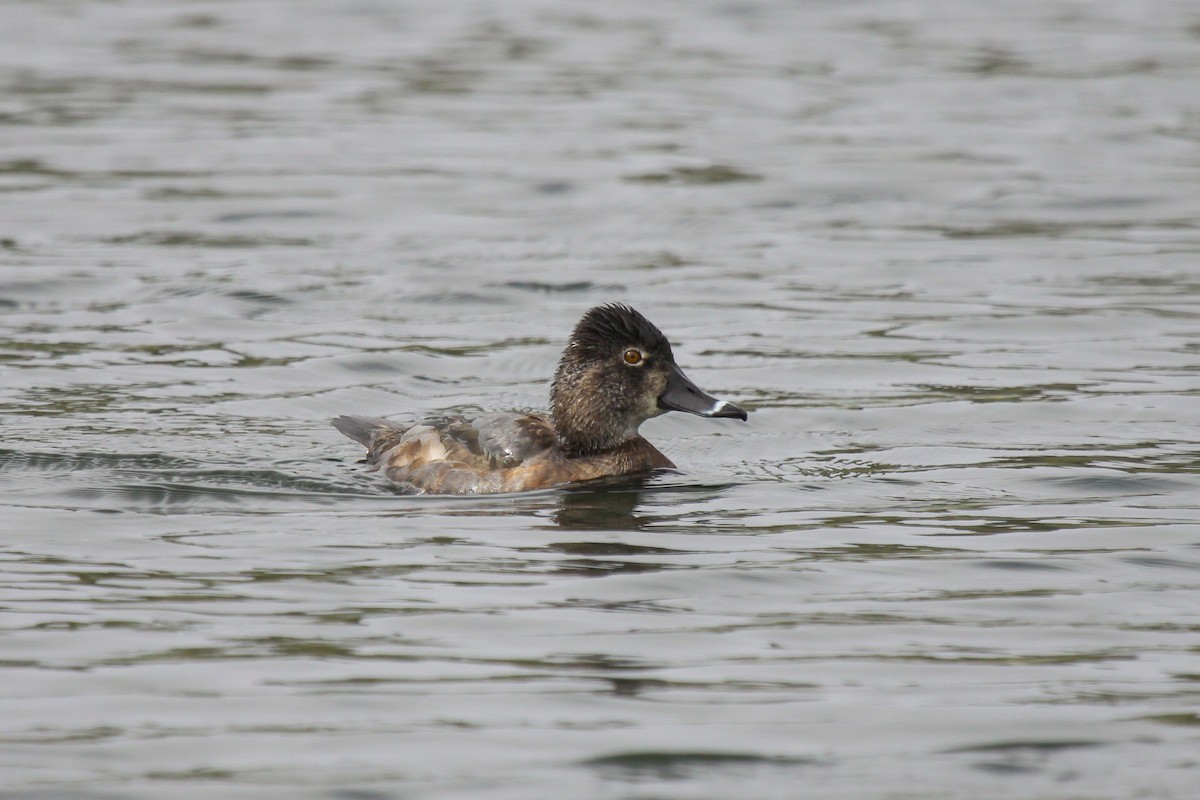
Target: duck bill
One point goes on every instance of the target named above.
(683, 395)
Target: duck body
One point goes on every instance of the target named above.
(487, 454)
(616, 371)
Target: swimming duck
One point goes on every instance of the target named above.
(616, 372)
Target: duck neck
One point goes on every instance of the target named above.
(582, 421)
(582, 436)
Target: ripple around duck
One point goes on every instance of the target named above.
(679, 765)
(160, 483)
(207, 240)
(74, 461)
(212, 491)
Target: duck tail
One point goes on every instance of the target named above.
(365, 430)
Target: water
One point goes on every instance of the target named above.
(947, 255)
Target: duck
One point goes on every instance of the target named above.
(616, 372)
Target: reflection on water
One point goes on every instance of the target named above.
(608, 504)
(946, 254)
(630, 502)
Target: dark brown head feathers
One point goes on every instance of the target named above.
(596, 401)
(605, 328)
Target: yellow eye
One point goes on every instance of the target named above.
(633, 357)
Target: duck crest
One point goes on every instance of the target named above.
(605, 328)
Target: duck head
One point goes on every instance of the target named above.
(616, 372)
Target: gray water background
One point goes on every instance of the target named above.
(947, 253)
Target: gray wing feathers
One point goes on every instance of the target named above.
(509, 439)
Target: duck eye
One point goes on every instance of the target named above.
(633, 357)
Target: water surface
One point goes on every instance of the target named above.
(947, 256)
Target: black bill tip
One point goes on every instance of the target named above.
(724, 408)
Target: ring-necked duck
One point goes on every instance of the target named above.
(616, 372)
